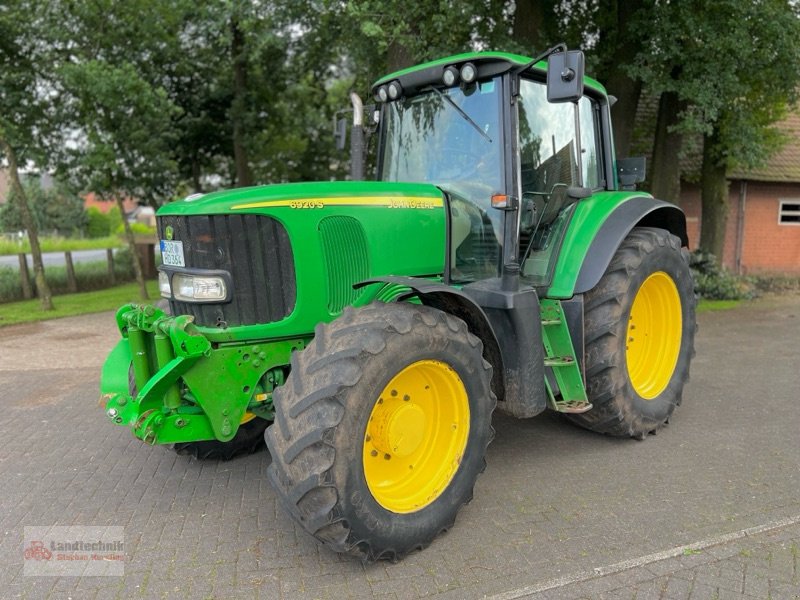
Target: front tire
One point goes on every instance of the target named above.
(248, 439)
(639, 336)
(381, 429)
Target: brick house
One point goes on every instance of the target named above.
(133, 211)
(763, 228)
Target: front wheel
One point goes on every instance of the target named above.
(381, 429)
(639, 336)
(249, 438)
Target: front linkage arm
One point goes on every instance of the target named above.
(168, 383)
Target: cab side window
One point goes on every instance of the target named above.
(548, 167)
(547, 141)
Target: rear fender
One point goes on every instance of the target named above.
(598, 226)
(637, 212)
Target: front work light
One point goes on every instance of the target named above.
(469, 73)
(197, 288)
(450, 76)
(383, 94)
(395, 90)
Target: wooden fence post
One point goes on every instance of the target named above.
(25, 277)
(110, 257)
(72, 283)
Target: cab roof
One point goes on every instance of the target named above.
(488, 64)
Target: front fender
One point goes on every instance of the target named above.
(507, 323)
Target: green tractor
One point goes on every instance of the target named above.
(502, 258)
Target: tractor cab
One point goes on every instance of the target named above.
(512, 152)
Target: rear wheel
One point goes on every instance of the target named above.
(639, 334)
(381, 429)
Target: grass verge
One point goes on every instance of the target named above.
(59, 244)
(70, 305)
(714, 305)
(89, 276)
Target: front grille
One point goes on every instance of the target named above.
(254, 249)
(344, 245)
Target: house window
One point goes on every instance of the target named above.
(789, 213)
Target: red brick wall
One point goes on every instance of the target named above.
(767, 246)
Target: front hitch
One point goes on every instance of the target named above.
(169, 384)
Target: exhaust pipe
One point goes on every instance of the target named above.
(357, 139)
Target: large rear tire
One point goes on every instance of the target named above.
(639, 336)
(381, 429)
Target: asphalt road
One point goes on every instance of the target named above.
(56, 259)
(709, 508)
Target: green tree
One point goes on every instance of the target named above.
(99, 223)
(59, 208)
(26, 105)
(116, 98)
(55, 208)
(735, 67)
(119, 157)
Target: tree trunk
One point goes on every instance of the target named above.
(529, 21)
(618, 82)
(244, 176)
(398, 57)
(137, 266)
(666, 167)
(623, 113)
(198, 187)
(714, 194)
(42, 288)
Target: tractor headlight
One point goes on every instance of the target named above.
(382, 95)
(163, 285)
(199, 288)
(195, 286)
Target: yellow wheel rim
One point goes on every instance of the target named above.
(247, 417)
(654, 335)
(416, 436)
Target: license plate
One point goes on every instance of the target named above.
(172, 253)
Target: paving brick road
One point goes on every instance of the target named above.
(709, 508)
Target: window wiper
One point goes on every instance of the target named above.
(466, 117)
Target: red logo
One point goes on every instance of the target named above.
(37, 551)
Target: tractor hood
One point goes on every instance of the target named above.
(290, 254)
(305, 196)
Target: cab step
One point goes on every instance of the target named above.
(558, 361)
(573, 406)
(566, 392)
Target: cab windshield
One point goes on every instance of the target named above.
(426, 138)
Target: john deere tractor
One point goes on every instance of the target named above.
(501, 258)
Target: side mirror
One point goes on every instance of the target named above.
(631, 171)
(340, 133)
(565, 76)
